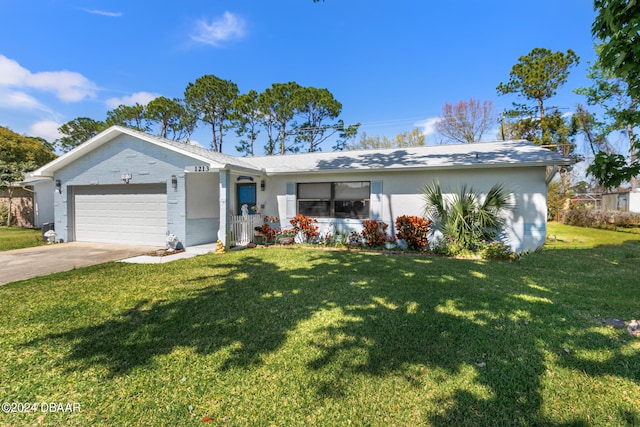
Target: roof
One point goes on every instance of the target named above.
(215, 160)
(516, 153)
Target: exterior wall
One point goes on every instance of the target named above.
(617, 202)
(624, 202)
(203, 208)
(147, 164)
(402, 195)
(634, 202)
(43, 203)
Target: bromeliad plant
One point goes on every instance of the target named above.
(465, 219)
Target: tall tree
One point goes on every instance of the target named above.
(466, 121)
(619, 113)
(246, 118)
(585, 123)
(211, 99)
(279, 111)
(78, 131)
(617, 24)
(537, 76)
(130, 116)
(171, 117)
(316, 106)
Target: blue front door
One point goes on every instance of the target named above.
(246, 196)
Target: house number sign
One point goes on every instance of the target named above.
(204, 168)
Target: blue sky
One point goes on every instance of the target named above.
(392, 64)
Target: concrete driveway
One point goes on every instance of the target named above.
(23, 264)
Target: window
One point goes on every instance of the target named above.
(334, 199)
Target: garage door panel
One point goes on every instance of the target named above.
(133, 214)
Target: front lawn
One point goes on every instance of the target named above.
(18, 238)
(286, 336)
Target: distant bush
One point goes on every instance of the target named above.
(600, 219)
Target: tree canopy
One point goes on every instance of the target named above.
(617, 72)
(466, 121)
(20, 149)
(414, 138)
(77, 131)
(537, 76)
(210, 99)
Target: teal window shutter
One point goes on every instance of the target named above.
(375, 202)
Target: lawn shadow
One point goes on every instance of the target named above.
(437, 315)
(409, 316)
(247, 313)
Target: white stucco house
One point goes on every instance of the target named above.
(123, 186)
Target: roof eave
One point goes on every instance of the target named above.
(113, 132)
(565, 162)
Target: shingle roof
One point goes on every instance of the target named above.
(487, 154)
(494, 154)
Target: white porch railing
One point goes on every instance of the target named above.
(242, 227)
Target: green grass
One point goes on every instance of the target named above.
(285, 336)
(18, 238)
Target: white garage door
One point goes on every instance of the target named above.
(128, 214)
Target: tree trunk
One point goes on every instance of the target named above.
(632, 181)
(10, 197)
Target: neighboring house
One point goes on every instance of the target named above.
(623, 201)
(129, 187)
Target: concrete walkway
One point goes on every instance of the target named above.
(189, 252)
(23, 264)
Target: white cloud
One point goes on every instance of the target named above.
(428, 126)
(142, 98)
(68, 86)
(227, 27)
(14, 99)
(46, 129)
(103, 13)
(11, 73)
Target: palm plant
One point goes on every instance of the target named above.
(465, 218)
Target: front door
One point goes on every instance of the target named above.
(246, 196)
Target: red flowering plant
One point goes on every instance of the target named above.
(413, 230)
(305, 225)
(374, 232)
(266, 230)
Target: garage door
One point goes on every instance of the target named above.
(128, 214)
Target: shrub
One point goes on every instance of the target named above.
(268, 232)
(374, 233)
(600, 219)
(413, 230)
(497, 250)
(305, 225)
(465, 216)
